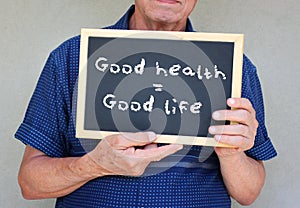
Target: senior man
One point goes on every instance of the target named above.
(56, 166)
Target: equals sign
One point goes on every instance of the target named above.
(158, 87)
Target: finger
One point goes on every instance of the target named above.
(240, 103)
(223, 152)
(239, 116)
(165, 151)
(125, 140)
(236, 141)
(237, 129)
(159, 153)
(150, 146)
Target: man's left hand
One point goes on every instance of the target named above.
(241, 133)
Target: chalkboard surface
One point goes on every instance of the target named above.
(166, 82)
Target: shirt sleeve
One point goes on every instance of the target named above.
(45, 116)
(263, 148)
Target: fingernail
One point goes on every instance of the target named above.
(216, 115)
(151, 136)
(212, 130)
(231, 101)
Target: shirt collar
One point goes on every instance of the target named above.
(123, 23)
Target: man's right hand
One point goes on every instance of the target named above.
(42, 176)
(128, 154)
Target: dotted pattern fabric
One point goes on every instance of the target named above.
(49, 127)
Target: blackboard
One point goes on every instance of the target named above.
(166, 82)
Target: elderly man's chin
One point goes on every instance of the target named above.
(167, 11)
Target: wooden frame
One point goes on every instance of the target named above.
(237, 39)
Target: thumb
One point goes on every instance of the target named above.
(125, 140)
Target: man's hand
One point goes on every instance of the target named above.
(243, 176)
(128, 154)
(41, 176)
(242, 133)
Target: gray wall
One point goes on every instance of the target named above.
(31, 29)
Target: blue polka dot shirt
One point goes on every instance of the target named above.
(189, 178)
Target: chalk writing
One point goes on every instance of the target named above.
(201, 72)
(171, 106)
(102, 65)
(110, 103)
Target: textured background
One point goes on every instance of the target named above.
(31, 29)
